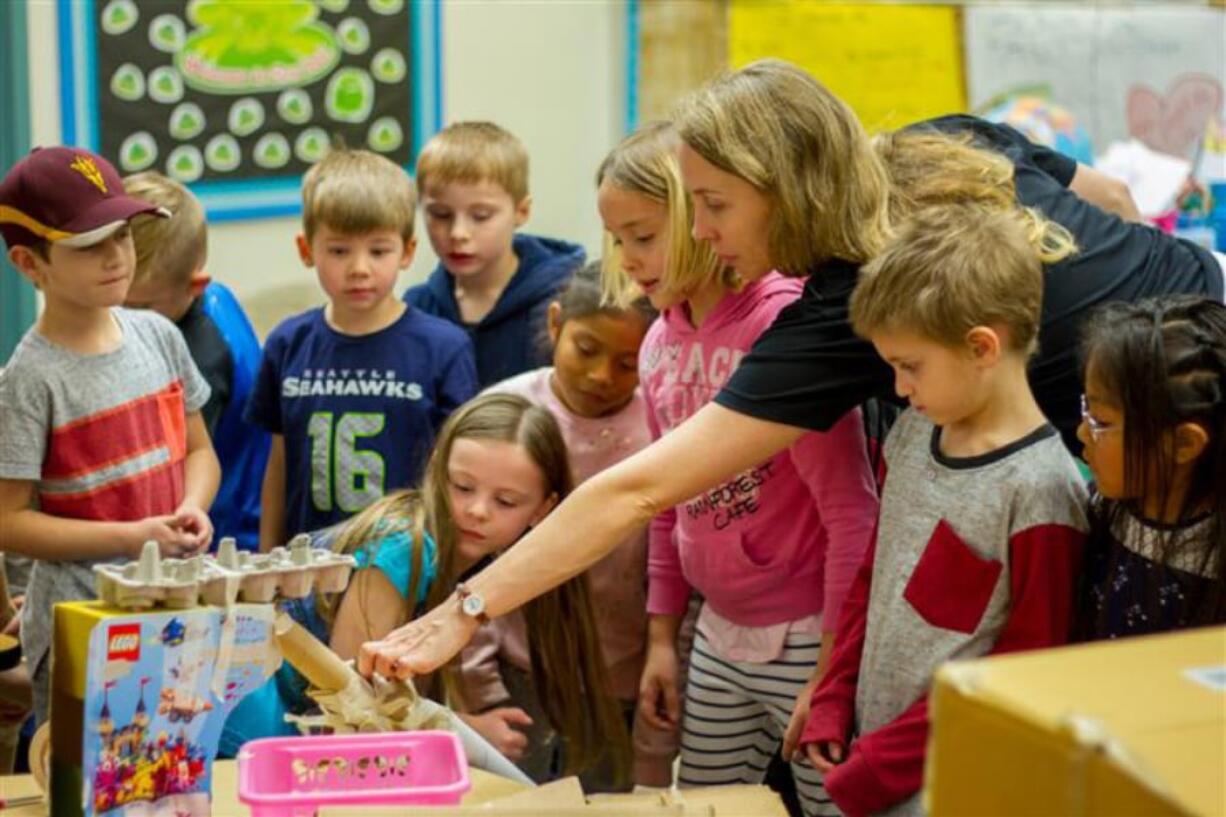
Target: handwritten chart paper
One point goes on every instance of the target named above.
(893, 64)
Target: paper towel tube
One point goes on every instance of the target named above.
(318, 664)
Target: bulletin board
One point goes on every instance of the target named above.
(238, 99)
(1154, 73)
(893, 64)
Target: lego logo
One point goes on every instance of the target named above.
(123, 643)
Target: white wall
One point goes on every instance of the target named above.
(552, 73)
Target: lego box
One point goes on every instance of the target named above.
(139, 700)
(1129, 727)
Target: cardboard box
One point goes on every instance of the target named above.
(138, 701)
(1129, 727)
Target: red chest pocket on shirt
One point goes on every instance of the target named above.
(171, 412)
(952, 584)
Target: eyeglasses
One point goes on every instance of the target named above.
(1097, 427)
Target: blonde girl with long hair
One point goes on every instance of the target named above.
(772, 551)
(499, 466)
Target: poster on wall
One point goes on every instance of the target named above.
(893, 64)
(238, 99)
(1152, 73)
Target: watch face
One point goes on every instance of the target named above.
(473, 606)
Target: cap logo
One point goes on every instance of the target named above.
(86, 167)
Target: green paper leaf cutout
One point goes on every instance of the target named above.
(165, 85)
(272, 151)
(311, 145)
(119, 16)
(246, 116)
(222, 153)
(138, 152)
(186, 121)
(294, 106)
(386, 6)
(353, 35)
(185, 163)
(128, 83)
(167, 32)
(350, 95)
(385, 135)
(388, 65)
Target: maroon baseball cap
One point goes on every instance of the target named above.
(66, 195)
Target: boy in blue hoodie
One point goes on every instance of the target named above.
(472, 179)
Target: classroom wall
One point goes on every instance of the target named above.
(552, 73)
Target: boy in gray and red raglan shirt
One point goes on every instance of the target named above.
(983, 510)
(102, 445)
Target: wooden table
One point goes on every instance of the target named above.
(486, 786)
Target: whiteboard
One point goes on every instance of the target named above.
(1170, 61)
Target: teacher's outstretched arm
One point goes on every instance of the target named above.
(711, 447)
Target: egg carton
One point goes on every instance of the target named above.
(230, 576)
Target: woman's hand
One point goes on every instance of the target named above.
(421, 646)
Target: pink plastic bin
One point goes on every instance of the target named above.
(292, 777)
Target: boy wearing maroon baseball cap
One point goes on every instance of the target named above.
(102, 445)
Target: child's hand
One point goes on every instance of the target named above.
(173, 541)
(498, 727)
(658, 701)
(800, 714)
(825, 755)
(193, 521)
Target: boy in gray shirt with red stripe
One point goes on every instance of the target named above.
(102, 446)
(982, 513)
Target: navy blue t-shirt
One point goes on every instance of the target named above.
(358, 413)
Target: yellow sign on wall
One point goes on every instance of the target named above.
(892, 64)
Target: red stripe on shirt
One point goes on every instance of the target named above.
(153, 492)
(91, 444)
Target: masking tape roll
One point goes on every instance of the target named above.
(40, 756)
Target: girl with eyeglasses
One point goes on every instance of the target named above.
(1154, 430)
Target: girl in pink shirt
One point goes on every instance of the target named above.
(773, 550)
(592, 391)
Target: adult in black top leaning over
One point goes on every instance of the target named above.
(782, 175)
(808, 368)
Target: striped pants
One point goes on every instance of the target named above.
(735, 716)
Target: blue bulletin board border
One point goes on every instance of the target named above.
(632, 66)
(235, 200)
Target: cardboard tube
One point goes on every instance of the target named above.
(318, 664)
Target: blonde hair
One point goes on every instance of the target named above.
(953, 267)
(568, 667)
(471, 153)
(356, 191)
(167, 249)
(779, 129)
(645, 162)
(927, 167)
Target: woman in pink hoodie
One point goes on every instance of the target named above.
(771, 551)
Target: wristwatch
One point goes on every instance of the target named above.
(472, 604)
